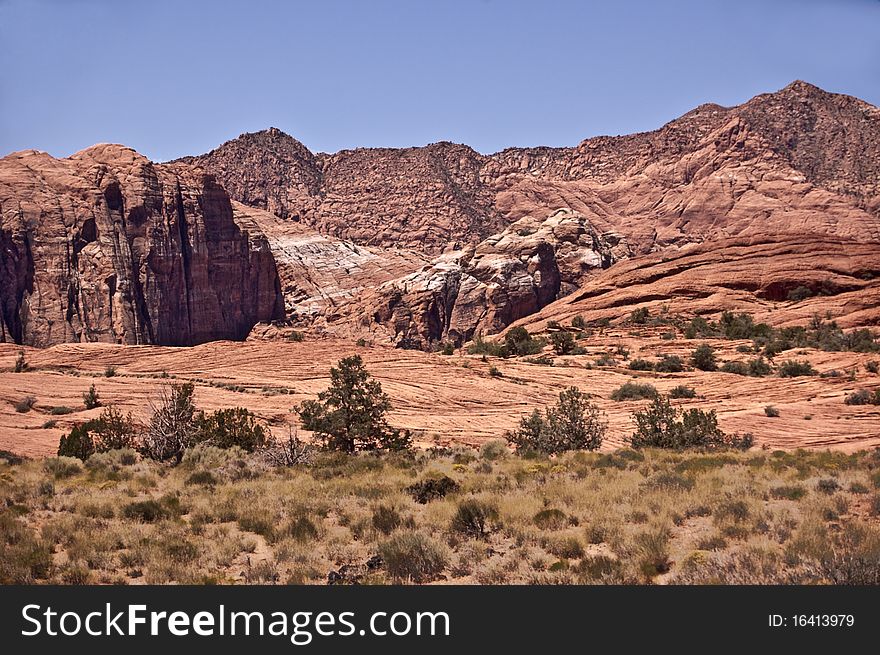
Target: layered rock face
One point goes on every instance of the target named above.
(106, 246)
(482, 289)
(742, 274)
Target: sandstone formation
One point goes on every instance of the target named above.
(320, 274)
(481, 289)
(106, 246)
(414, 246)
(741, 274)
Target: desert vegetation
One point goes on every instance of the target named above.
(646, 515)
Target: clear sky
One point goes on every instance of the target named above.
(172, 77)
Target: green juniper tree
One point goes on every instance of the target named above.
(350, 414)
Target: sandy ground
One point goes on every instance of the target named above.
(442, 399)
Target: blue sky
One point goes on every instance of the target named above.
(171, 78)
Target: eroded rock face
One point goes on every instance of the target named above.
(740, 274)
(481, 290)
(107, 246)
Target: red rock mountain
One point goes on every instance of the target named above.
(106, 246)
(412, 246)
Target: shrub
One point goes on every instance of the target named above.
(573, 423)
(641, 365)
(23, 558)
(518, 341)
(792, 368)
(550, 519)
(432, 489)
(174, 426)
(25, 405)
(771, 412)
(473, 518)
(703, 358)
(110, 371)
(579, 322)
(386, 519)
(78, 443)
(799, 293)
(301, 529)
(563, 343)
(742, 326)
(660, 425)
(111, 430)
(350, 414)
(682, 391)
(494, 450)
(788, 492)
(827, 486)
(227, 428)
(873, 366)
(295, 336)
(62, 466)
(669, 364)
(698, 327)
(145, 511)
(654, 551)
(413, 556)
(633, 391)
(737, 368)
(495, 373)
(21, 364)
(60, 411)
(480, 347)
(863, 397)
(639, 316)
(447, 348)
(91, 399)
(205, 478)
(759, 368)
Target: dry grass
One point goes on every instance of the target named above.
(622, 517)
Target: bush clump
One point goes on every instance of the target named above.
(863, 397)
(703, 358)
(432, 489)
(792, 369)
(633, 391)
(110, 431)
(228, 428)
(574, 423)
(145, 511)
(550, 519)
(386, 519)
(518, 341)
(481, 347)
(25, 405)
(661, 425)
(669, 364)
(413, 556)
(494, 450)
(682, 391)
(474, 518)
(641, 365)
(564, 343)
